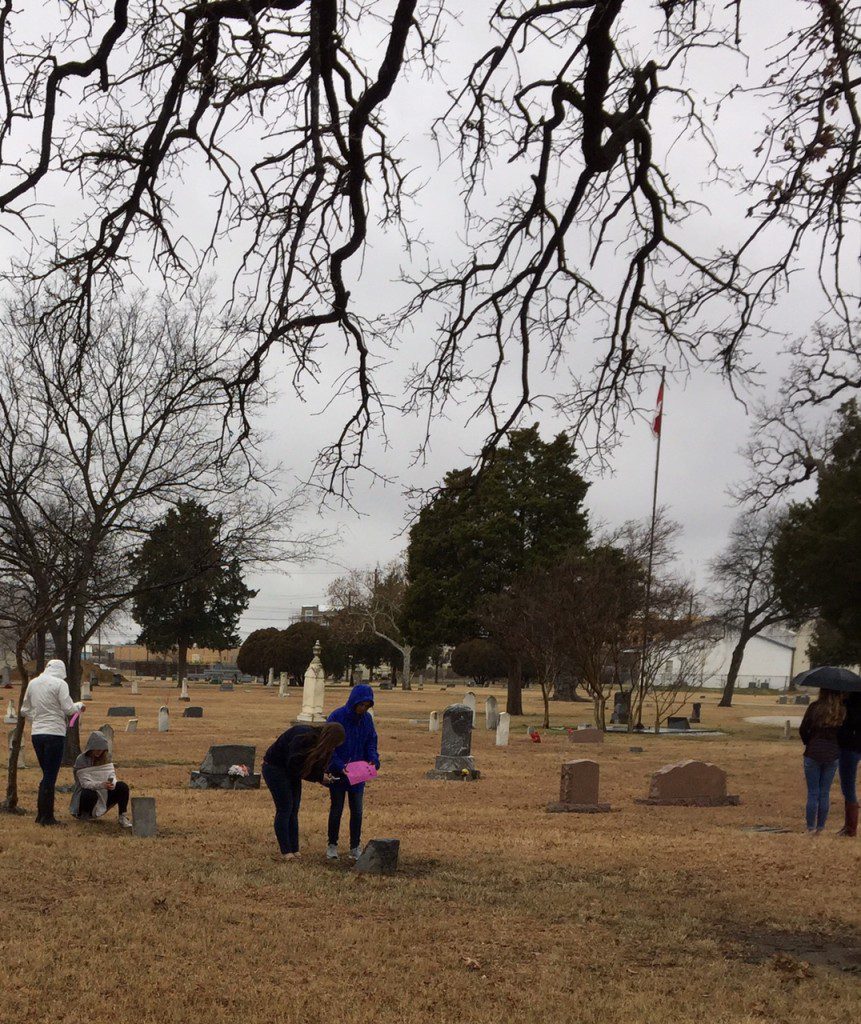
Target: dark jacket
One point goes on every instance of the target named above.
(290, 752)
(820, 742)
(361, 735)
(849, 734)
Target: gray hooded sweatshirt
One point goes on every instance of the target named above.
(97, 741)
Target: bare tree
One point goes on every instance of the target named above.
(747, 600)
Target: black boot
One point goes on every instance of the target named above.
(48, 812)
(40, 807)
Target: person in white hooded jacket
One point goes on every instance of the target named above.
(48, 705)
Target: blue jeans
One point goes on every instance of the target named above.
(819, 778)
(286, 795)
(49, 754)
(356, 797)
(849, 774)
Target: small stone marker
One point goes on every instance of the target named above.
(469, 701)
(213, 770)
(284, 683)
(86, 690)
(783, 700)
(11, 716)
(678, 723)
(122, 711)
(695, 714)
(787, 730)
(192, 712)
(503, 729)
(143, 817)
(94, 679)
(226, 688)
(183, 693)
(271, 678)
(635, 750)
(588, 735)
(163, 719)
(491, 713)
(108, 732)
(689, 784)
(802, 698)
(578, 789)
(132, 725)
(117, 679)
(21, 763)
(454, 762)
(136, 688)
(433, 722)
(380, 857)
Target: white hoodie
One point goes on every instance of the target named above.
(47, 702)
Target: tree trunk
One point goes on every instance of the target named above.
(407, 652)
(600, 711)
(11, 802)
(181, 661)
(734, 666)
(514, 700)
(545, 696)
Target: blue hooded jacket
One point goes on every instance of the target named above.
(361, 741)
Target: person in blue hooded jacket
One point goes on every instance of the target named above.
(360, 744)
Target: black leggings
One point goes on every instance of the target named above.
(118, 796)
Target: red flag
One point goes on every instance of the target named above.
(659, 412)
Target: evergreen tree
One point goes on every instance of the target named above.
(191, 590)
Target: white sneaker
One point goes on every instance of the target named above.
(355, 853)
(125, 821)
(331, 852)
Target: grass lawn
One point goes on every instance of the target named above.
(500, 911)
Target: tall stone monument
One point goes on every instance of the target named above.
(313, 690)
(86, 690)
(183, 693)
(455, 762)
(503, 729)
(283, 684)
(491, 713)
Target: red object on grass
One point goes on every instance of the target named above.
(535, 736)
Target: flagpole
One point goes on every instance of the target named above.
(647, 605)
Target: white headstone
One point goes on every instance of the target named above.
(163, 719)
(271, 681)
(285, 682)
(183, 694)
(132, 725)
(469, 700)
(502, 729)
(136, 688)
(86, 690)
(21, 763)
(313, 690)
(491, 713)
(433, 722)
(11, 717)
(108, 732)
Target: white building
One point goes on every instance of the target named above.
(766, 665)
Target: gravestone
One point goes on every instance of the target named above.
(94, 679)
(689, 784)
(86, 690)
(433, 722)
(802, 698)
(21, 763)
(503, 729)
(695, 714)
(787, 730)
(7, 676)
(136, 688)
(122, 711)
(635, 750)
(283, 684)
(213, 770)
(108, 732)
(783, 700)
(226, 688)
(132, 725)
(192, 712)
(313, 689)
(469, 701)
(183, 693)
(163, 719)
(380, 857)
(454, 762)
(116, 679)
(11, 716)
(385, 685)
(621, 708)
(578, 789)
(491, 713)
(588, 735)
(143, 817)
(270, 681)
(678, 722)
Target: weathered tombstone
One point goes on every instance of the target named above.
(783, 700)
(94, 679)
(108, 732)
(385, 685)
(86, 690)
(122, 711)
(313, 690)
(283, 684)
(183, 693)
(454, 762)
(7, 676)
(132, 725)
(695, 714)
(802, 698)
(136, 688)
(588, 735)
(689, 784)
(491, 713)
(635, 750)
(678, 722)
(117, 679)
(11, 716)
(621, 708)
(270, 681)
(143, 817)
(433, 722)
(11, 741)
(192, 712)
(469, 701)
(213, 773)
(503, 729)
(225, 688)
(380, 857)
(163, 719)
(787, 730)
(578, 789)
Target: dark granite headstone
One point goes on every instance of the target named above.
(380, 857)
(226, 688)
(121, 712)
(454, 761)
(213, 773)
(695, 716)
(678, 723)
(192, 712)
(117, 679)
(621, 708)
(802, 698)
(143, 817)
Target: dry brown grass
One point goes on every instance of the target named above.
(500, 911)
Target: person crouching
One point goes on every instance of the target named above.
(90, 799)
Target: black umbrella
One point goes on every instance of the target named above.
(826, 677)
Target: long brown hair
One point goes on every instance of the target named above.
(328, 737)
(828, 711)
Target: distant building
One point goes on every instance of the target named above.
(767, 663)
(310, 613)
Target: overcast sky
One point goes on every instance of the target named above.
(704, 426)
